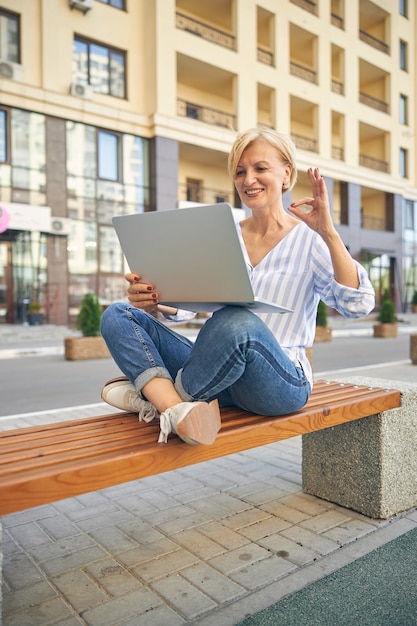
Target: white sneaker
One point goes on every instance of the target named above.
(120, 393)
(193, 422)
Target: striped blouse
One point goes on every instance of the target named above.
(297, 273)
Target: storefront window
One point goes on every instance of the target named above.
(28, 150)
(3, 136)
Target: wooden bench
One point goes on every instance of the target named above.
(43, 464)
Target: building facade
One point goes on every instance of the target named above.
(111, 107)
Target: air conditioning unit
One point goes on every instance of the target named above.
(12, 71)
(60, 225)
(82, 5)
(81, 90)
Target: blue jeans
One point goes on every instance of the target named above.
(235, 359)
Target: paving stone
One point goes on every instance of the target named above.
(258, 574)
(30, 595)
(325, 521)
(321, 545)
(226, 537)
(113, 577)
(183, 596)
(147, 552)
(79, 589)
(214, 584)
(197, 543)
(289, 550)
(164, 565)
(119, 610)
(246, 518)
(236, 559)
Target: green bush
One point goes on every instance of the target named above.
(89, 317)
(414, 300)
(387, 312)
(321, 319)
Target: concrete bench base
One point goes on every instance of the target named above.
(368, 465)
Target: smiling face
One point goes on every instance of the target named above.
(261, 175)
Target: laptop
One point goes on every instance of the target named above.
(192, 256)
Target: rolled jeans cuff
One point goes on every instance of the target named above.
(180, 389)
(150, 374)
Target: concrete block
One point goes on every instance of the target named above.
(369, 465)
(1, 573)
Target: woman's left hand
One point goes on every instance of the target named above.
(319, 217)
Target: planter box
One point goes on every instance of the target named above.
(413, 349)
(35, 319)
(323, 333)
(83, 348)
(385, 330)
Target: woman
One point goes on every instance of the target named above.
(256, 362)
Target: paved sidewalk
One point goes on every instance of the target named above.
(207, 545)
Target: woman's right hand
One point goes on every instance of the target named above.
(142, 295)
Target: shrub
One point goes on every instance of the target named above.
(34, 307)
(321, 319)
(387, 312)
(89, 317)
(414, 300)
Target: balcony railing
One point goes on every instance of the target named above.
(303, 72)
(337, 153)
(305, 143)
(373, 223)
(337, 86)
(373, 41)
(191, 25)
(204, 195)
(375, 103)
(205, 114)
(308, 5)
(265, 56)
(337, 21)
(372, 163)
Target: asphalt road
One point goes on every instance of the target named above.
(39, 383)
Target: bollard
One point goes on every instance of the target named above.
(413, 349)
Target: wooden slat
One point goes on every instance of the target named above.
(46, 463)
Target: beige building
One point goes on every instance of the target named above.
(119, 106)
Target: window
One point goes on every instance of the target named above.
(403, 163)
(403, 56)
(3, 136)
(117, 4)
(108, 156)
(9, 37)
(404, 8)
(403, 109)
(409, 215)
(99, 66)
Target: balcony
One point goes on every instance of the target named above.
(373, 163)
(308, 5)
(205, 114)
(305, 143)
(265, 56)
(303, 72)
(201, 29)
(373, 41)
(337, 153)
(203, 195)
(373, 223)
(337, 87)
(375, 103)
(337, 21)
(374, 25)
(303, 54)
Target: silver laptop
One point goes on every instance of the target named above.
(192, 256)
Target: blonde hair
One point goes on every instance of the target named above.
(283, 144)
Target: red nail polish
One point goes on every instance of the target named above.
(149, 287)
